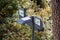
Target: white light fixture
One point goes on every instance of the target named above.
(37, 21)
(22, 12)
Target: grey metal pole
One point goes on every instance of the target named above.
(33, 35)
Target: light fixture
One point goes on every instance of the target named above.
(21, 12)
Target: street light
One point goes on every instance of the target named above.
(37, 21)
(22, 12)
(38, 24)
(33, 22)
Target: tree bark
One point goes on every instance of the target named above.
(56, 19)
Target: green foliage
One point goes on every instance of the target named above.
(7, 8)
(41, 3)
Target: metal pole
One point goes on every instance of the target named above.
(33, 36)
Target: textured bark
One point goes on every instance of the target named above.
(56, 19)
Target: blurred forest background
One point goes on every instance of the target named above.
(10, 30)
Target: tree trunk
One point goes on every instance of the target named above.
(56, 19)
